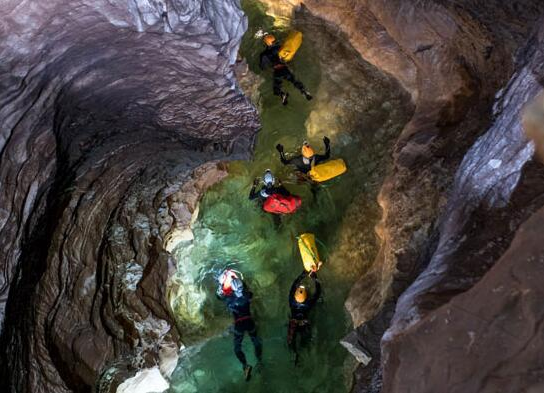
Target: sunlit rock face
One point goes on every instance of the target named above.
(108, 109)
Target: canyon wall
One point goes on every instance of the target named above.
(113, 118)
(463, 182)
(464, 179)
(108, 109)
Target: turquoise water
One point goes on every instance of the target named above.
(361, 111)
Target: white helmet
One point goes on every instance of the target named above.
(268, 178)
(237, 287)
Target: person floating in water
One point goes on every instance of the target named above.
(304, 161)
(274, 199)
(301, 304)
(270, 58)
(238, 299)
(268, 188)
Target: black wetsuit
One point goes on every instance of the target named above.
(243, 322)
(269, 58)
(299, 325)
(254, 194)
(304, 164)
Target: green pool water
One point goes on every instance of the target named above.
(362, 112)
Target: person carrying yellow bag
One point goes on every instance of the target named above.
(276, 56)
(301, 302)
(303, 161)
(318, 167)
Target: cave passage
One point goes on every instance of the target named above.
(361, 111)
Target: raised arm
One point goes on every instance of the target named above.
(253, 193)
(327, 143)
(284, 160)
(319, 158)
(317, 292)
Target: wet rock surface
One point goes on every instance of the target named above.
(496, 327)
(110, 113)
(108, 109)
(464, 178)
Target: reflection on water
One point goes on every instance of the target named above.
(363, 112)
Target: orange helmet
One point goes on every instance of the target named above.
(307, 150)
(301, 294)
(269, 39)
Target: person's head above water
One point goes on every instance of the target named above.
(269, 39)
(307, 151)
(237, 287)
(301, 294)
(268, 178)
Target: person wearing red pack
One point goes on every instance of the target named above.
(274, 199)
(268, 187)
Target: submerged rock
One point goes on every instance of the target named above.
(355, 347)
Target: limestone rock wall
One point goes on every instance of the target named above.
(463, 182)
(108, 108)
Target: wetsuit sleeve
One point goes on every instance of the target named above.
(281, 190)
(316, 294)
(284, 159)
(231, 307)
(253, 194)
(323, 157)
(275, 54)
(264, 61)
(319, 158)
(328, 150)
(296, 161)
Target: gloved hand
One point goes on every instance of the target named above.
(279, 147)
(313, 274)
(326, 141)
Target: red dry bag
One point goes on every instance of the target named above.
(281, 204)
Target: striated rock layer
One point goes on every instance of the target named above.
(114, 113)
(107, 109)
(463, 182)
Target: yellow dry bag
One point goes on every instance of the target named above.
(308, 252)
(290, 46)
(327, 170)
